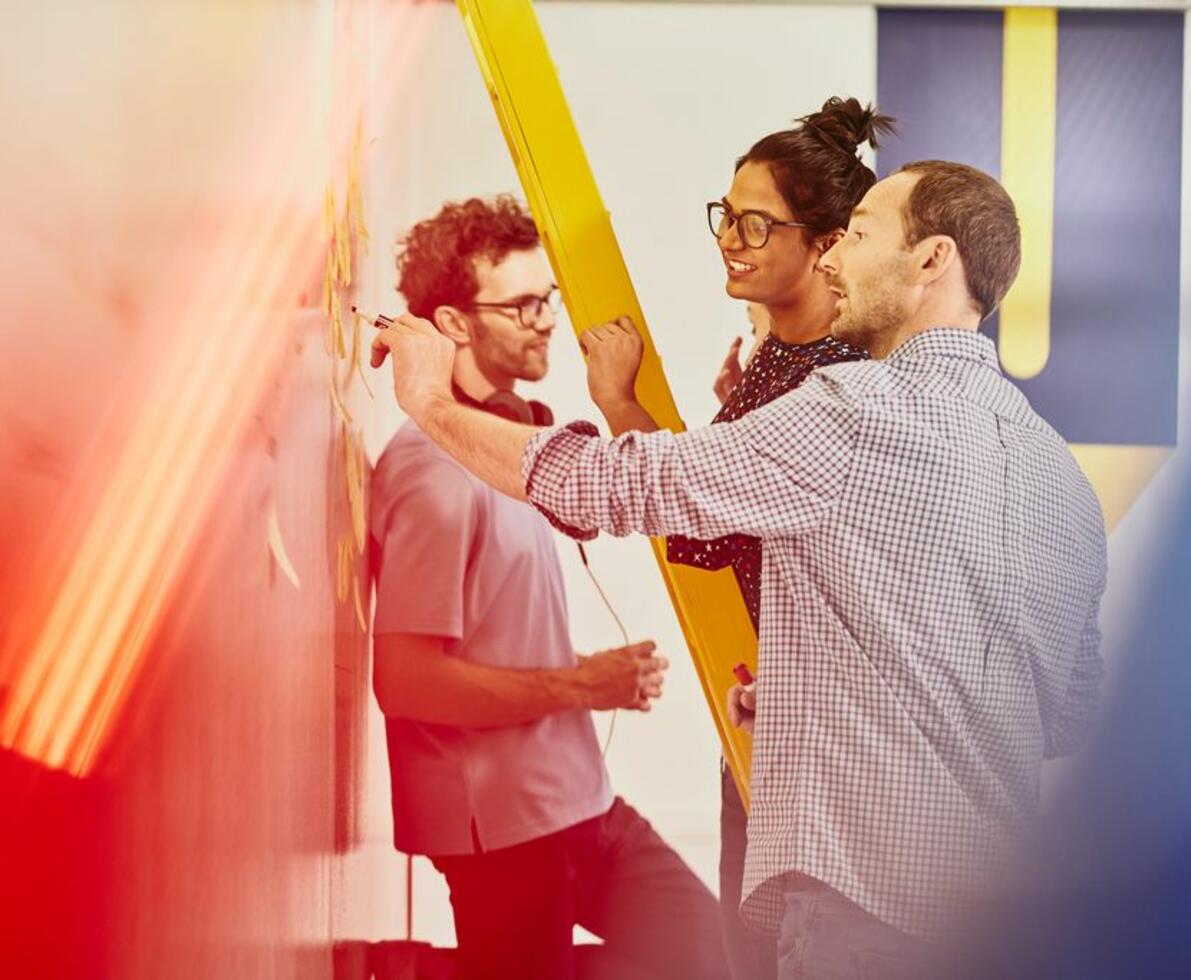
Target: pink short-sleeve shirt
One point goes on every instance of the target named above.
(456, 559)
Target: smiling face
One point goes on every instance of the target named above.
(870, 270)
(504, 350)
(776, 274)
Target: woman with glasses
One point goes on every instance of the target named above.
(789, 202)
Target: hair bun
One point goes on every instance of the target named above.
(847, 125)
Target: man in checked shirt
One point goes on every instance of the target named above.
(790, 198)
(933, 561)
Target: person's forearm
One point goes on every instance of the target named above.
(772, 473)
(628, 416)
(467, 695)
(490, 447)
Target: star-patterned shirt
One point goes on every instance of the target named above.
(776, 368)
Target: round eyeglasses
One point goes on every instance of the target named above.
(754, 226)
(528, 310)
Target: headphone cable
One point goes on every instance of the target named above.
(623, 632)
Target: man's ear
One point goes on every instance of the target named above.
(825, 243)
(452, 324)
(933, 257)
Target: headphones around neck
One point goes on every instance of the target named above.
(508, 405)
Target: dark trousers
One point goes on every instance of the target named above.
(752, 955)
(515, 908)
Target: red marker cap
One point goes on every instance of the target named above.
(743, 674)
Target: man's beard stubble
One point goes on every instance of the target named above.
(873, 327)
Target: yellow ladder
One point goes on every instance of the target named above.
(577, 233)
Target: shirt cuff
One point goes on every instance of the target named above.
(547, 459)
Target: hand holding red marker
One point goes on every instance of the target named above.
(742, 699)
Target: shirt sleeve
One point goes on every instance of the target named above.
(775, 472)
(424, 530)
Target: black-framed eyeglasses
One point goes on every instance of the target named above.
(754, 226)
(527, 310)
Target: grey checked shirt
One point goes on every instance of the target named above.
(933, 560)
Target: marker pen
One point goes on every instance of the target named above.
(380, 321)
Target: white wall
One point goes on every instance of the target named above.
(665, 97)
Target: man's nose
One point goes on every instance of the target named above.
(829, 261)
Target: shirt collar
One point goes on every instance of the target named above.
(967, 345)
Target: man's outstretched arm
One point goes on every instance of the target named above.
(423, 361)
(776, 472)
(489, 446)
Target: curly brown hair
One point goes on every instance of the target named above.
(436, 258)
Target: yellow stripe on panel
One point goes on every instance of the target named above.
(1029, 94)
(1120, 474)
(578, 236)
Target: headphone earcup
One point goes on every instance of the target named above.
(509, 406)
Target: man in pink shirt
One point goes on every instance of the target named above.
(496, 770)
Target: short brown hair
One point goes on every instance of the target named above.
(436, 257)
(972, 208)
